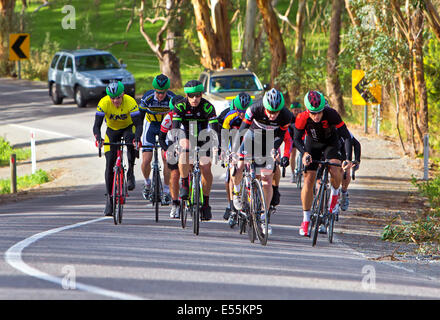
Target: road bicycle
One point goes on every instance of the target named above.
(193, 205)
(320, 208)
(253, 205)
(299, 170)
(119, 189)
(156, 195)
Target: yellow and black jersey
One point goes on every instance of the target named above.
(149, 103)
(121, 117)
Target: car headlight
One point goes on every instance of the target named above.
(128, 79)
(89, 82)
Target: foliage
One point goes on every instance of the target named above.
(27, 181)
(38, 65)
(425, 230)
(6, 150)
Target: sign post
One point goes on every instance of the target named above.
(365, 93)
(19, 49)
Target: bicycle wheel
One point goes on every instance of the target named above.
(259, 208)
(183, 213)
(318, 209)
(115, 193)
(196, 203)
(244, 213)
(156, 193)
(330, 217)
(122, 196)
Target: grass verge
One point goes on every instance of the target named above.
(24, 182)
(6, 150)
(425, 229)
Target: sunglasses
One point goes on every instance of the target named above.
(160, 92)
(194, 95)
(116, 98)
(272, 112)
(315, 113)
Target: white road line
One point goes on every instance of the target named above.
(13, 258)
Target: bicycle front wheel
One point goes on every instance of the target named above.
(260, 213)
(156, 193)
(183, 213)
(115, 193)
(318, 211)
(196, 203)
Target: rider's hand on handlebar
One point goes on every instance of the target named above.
(346, 165)
(98, 141)
(137, 143)
(284, 162)
(307, 159)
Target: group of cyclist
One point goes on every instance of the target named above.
(245, 130)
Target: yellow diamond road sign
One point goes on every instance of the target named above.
(363, 92)
(19, 46)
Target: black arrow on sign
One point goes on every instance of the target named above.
(16, 47)
(362, 88)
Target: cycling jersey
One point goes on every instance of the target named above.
(324, 132)
(150, 103)
(232, 120)
(121, 117)
(256, 118)
(203, 115)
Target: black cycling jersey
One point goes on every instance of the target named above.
(203, 115)
(256, 118)
(325, 131)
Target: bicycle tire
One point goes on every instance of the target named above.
(122, 196)
(318, 212)
(196, 203)
(259, 207)
(242, 221)
(115, 193)
(183, 213)
(156, 193)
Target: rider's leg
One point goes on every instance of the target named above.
(184, 167)
(275, 200)
(266, 181)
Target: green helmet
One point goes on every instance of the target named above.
(177, 102)
(161, 82)
(242, 101)
(295, 105)
(193, 86)
(314, 101)
(115, 89)
(273, 100)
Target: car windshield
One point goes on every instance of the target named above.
(96, 62)
(235, 83)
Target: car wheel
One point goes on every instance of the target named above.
(80, 100)
(56, 98)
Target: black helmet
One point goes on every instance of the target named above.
(161, 82)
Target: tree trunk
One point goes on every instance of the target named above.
(222, 30)
(333, 85)
(433, 17)
(420, 83)
(277, 48)
(299, 48)
(248, 53)
(212, 44)
(6, 27)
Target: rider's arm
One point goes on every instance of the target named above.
(138, 122)
(99, 119)
(287, 144)
(345, 134)
(357, 149)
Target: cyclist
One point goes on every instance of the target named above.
(231, 118)
(284, 162)
(123, 120)
(154, 105)
(323, 126)
(165, 141)
(296, 109)
(195, 114)
(266, 116)
(346, 179)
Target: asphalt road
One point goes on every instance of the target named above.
(59, 246)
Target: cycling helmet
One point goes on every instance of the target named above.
(314, 101)
(161, 82)
(242, 101)
(295, 105)
(177, 102)
(273, 100)
(193, 86)
(115, 89)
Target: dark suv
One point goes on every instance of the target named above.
(84, 74)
